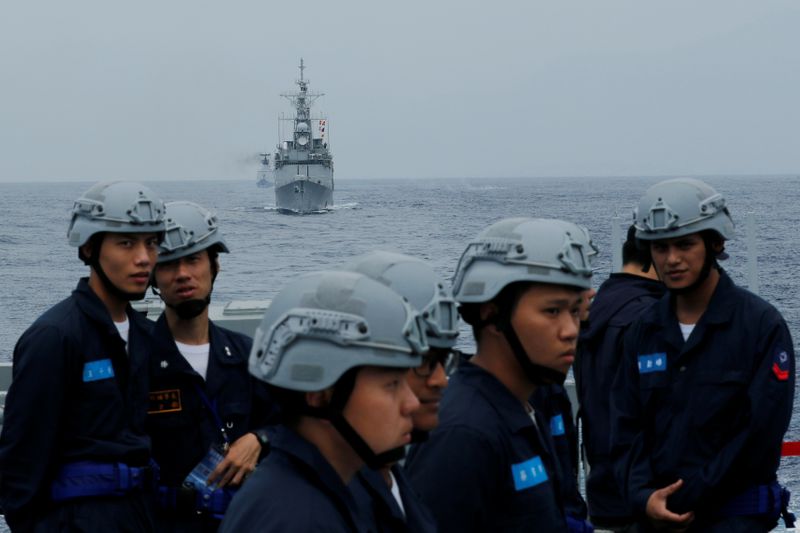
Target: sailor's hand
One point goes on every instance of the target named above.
(663, 518)
(239, 462)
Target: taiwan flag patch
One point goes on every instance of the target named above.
(780, 364)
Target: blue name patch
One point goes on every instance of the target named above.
(557, 426)
(654, 362)
(528, 473)
(98, 370)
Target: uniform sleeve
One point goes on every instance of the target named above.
(629, 457)
(758, 446)
(456, 474)
(31, 420)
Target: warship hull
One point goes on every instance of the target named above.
(304, 194)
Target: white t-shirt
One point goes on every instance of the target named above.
(124, 329)
(396, 493)
(686, 330)
(196, 355)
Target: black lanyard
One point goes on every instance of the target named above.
(212, 407)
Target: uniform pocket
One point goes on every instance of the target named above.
(718, 403)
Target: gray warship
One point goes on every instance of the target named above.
(302, 166)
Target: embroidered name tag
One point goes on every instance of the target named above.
(557, 426)
(654, 362)
(98, 370)
(165, 401)
(528, 473)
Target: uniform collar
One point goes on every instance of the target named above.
(138, 346)
(506, 405)
(719, 310)
(93, 306)
(314, 465)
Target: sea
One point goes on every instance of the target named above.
(432, 219)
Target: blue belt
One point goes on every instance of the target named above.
(89, 478)
(577, 525)
(761, 500)
(214, 502)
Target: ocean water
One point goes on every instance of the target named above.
(432, 219)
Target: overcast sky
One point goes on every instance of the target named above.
(175, 89)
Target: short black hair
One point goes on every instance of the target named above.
(633, 251)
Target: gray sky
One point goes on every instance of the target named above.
(175, 89)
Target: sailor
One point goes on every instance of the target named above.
(489, 465)
(554, 404)
(622, 298)
(334, 348)
(386, 493)
(74, 453)
(205, 408)
(704, 394)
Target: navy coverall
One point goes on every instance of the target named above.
(621, 299)
(376, 502)
(76, 395)
(486, 467)
(180, 423)
(293, 489)
(553, 403)
(711, 411)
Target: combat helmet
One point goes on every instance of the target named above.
(523, 249)
(115, 207)
(679, 207)
(415, 280)
(190, 228)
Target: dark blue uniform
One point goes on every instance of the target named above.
(293, 489)
(486, 467)
(376, 502)
(555, 407)
(711, 411)
(76, 395)
(180, 423)
(621, 299)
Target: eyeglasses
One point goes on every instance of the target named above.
(447, 358)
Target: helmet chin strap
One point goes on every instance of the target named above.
(537, 374)
(334, 412)
(357, 443)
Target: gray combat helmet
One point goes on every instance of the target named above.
(523, 249)
(320, 325)
(190, 228)
(415, 280)
(115, 207)
(681, 206)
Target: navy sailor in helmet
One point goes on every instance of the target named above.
(490, 464)
(704, 393)
(334, 348)
(385, 493)
(74, 454)
(204, 407)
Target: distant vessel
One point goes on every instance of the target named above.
(264, 175)
(302, 166)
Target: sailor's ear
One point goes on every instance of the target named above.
(320, 398)
(85, 251)
(489, 312)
